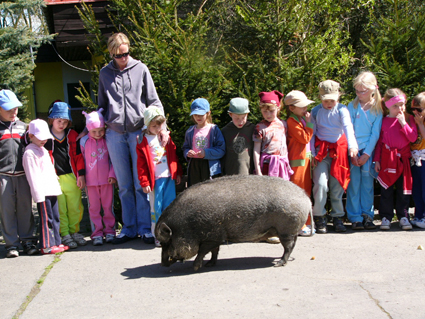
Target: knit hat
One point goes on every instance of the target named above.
(150, 113)
(8, 100)
(199, 107)
(273, 97)
(60, 110)
(329, 90)
(239, 105)
(297, 99)
(94, 119)
(40, 129)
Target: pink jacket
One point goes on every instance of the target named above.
(96, 157)
(40, 173)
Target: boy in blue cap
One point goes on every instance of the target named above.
(16, 215)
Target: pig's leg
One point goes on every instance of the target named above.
(288, 243)
(213, 260)
(204, 248)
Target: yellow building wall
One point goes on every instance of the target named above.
(48, 86)
(30, 106)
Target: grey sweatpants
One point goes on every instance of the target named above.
(17, 219)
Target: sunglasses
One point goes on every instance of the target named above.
(417, 109)
(119, 56)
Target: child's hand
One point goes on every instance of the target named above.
(112, 180)
(191, 153)
(377, 167)
(307, 116)
(363, 159)
(81, 182)
(419, 119)
(178, 179)
(401, 119)
(201, 154)
(355, 160)
(146, 189)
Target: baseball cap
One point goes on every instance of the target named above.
(239, 105)
(8, 100)
(40, 129)
(329, 90)
(199, 107)
(297, 99)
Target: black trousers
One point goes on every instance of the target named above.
(386, 205)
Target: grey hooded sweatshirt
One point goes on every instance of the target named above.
(125, 95)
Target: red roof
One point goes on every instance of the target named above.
(52, 2)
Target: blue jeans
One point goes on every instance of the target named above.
(135, 206)
(360, 192)
(321, 178)
(418, 189)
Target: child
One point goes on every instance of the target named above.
(392, 159)
(157, 166)
(418, 164)
(100, 177)
(366, 116)
(237, 134)
(300, 132)
(270, 151)
(204, 144)
(333, 137)
(45, 187)
(17, 220)
(69, 165)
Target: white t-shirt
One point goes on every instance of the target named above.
(159, 157)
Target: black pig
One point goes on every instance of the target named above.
(236, 209)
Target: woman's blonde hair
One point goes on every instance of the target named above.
(389, 94)
(419, 100)
(368, 80)
(115, 41)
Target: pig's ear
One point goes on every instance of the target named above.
(164, 233)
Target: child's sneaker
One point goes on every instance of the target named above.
(68, 241)
(273, 240)
(357, 226)
(109, 238)
(368, 222)
(148, 238)
(51, 250)
(320, 224)
(418, 222)
(385, 224)
(306, 231)
(29, 248)
(405, 224)
(12, 252)
(339, 225)
(79, 239)
(157, 243)
(64, 247)
(97, 241)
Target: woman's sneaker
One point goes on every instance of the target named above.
(385, 224)
(405, 224)
(97, 241)
(418, 222)
(79, 239)
(68, 241)
(12, 252)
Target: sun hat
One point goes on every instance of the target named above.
(8, 100)
(238, 105)
(150, 113)
(60, 110)
(329, 90)
(297, 99)
(273, 97)
(94, 119)
(40, 129)
(199, 107)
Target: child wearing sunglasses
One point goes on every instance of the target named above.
(418, 162)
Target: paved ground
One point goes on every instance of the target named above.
(367, 274)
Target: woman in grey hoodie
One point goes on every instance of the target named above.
(126, 89)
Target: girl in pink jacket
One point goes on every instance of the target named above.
(100, 177)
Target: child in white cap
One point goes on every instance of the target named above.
(100, 177)
(17, 220)
(238, 159)
(157, 167)
(45, 187)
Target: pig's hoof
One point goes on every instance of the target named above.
(280, 263)
(210, 263)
